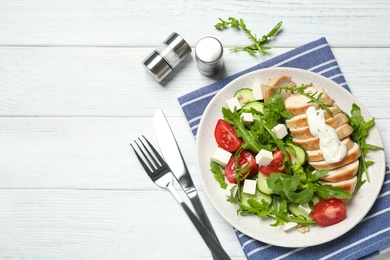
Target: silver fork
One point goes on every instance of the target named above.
(160, 173)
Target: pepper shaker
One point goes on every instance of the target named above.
(166, 57)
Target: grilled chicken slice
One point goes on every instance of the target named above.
(335, 122)
(348, 185)
(281, 81)
(345, 172)
(301, 120)
(313, 143)
(352, 155)
(316, 155)
(297, 104)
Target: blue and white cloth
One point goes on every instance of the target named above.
(372, 234)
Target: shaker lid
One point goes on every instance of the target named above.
(208, 54)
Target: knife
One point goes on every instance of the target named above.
(172, 155)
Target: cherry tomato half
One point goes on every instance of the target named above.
(226, 136)
(329, 212)
(275, 165)
(245, 157)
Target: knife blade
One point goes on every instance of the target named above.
(174, 158)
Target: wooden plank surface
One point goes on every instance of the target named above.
(73, 95)
(111, 81)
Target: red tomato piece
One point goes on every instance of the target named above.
(329, 212)
(226, 136)
(245, 157)
(275, 165)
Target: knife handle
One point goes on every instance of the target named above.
(195, 200)
(214, 246)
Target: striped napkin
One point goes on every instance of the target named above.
(372, 235)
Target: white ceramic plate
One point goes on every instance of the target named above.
(260, 229)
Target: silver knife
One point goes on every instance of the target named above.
(172, 155)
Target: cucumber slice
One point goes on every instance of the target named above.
(244, 96)
(262, 183)
(259, 196)
(298, 212)
(298, 154)
(257, 105)
(315, 199)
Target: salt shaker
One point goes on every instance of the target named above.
(208, 55)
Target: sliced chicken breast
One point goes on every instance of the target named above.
(348, 185)
(316, 155)
(335, 122)
(311, 144)
(352, 155)
(301, 120)
(297, 104)
(281, 81)
(343, 173)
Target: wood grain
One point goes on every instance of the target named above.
(73, 95)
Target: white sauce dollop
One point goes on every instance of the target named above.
(331, 147)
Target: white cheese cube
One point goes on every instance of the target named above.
(288, 226)
(257, 91)
(247, 118)
(280, 130)
(305, 208)
(233, 103)
(249, 186)
(221, 156)
(264, 157)
(231, 190)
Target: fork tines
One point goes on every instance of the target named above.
(150, 159)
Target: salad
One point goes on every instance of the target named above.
(263, 169)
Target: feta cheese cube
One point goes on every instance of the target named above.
(247, 117)
(280, 130)
(288, 226)
(221, 156)
(257, 91)
(231, 190)
(264, 157)
(249, 186)
(233, 103)
(305, 208)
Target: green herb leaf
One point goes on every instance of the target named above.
(250, 137)
(360, 132)
(257, 45)
(287, 187)
(328, 191)
(218, 174)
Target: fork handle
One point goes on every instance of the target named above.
(214, 246)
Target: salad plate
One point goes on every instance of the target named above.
(260, 228)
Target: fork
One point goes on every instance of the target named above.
(160, 173)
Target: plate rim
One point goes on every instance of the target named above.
(317, 76)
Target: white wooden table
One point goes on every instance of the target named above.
(73, 95)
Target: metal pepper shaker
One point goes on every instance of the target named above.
(166, 57)
(208, 55)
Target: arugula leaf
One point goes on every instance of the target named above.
(314, 97)
(250, 137)
(275, 111)
(360, 132)
(287, 187)
(218, 174)
(328, 191)
(275, 210)
(257, 45)
(259, 208)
